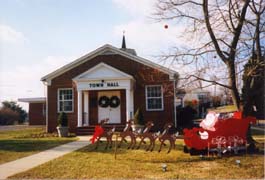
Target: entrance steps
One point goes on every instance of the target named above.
(89, 130)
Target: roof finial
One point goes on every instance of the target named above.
(123, 46)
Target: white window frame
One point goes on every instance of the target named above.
(58, 100)
(146, 98)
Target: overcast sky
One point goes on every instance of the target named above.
(38, 36)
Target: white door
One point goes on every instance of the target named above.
(113, 113)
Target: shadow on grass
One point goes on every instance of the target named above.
(101, 148)
(124, 148)
(172, 157)
(29, 145)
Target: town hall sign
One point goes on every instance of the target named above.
(104, 84)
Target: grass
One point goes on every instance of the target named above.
(89, 163)
(20, 143)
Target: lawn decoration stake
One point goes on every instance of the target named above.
(219, 134)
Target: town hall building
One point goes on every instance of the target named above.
(112, 83)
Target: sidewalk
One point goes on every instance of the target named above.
(26, 163)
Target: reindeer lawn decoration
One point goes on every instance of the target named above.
(133, 135)
(106, 134)
(147, 134)
(128, 132)
(166, 136)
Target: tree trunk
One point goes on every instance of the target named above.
(233, 85)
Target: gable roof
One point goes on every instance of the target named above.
(104, 50)
(100, 70)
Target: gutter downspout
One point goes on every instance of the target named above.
(46, 96)
(175, 110)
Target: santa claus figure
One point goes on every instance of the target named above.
(209, 122)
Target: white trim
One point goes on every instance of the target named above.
(86, 108)
(46, 98)
(162, 96)
(132, 103)
(33, 100)
(126, 76)
(128, 104)
(79, 109)
(47, 111)
(101, 51)
(58, 100)
(175, 105)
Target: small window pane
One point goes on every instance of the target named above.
(65, 100)
(154, 98)
(155, 103)
(61, 106)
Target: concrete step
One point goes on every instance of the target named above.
(89, 130)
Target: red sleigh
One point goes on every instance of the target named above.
(219, 134)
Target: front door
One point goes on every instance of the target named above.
(109, 106)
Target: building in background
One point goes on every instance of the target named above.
(37, 110)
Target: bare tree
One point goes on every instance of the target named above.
(253, 77)
(222, 34)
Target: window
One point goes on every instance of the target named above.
(154, 98)
(65, 100)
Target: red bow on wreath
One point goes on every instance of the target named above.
(98, 131)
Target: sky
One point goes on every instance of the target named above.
(39, 36)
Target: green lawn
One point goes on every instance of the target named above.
(90, 163)
(20, 143)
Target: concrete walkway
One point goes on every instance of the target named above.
(26, 163)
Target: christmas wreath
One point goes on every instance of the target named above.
(104, 101)
(114, 102)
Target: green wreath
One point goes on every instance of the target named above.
(104, 101)
(114, 101)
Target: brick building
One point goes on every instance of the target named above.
(109, 83)
(37, 110)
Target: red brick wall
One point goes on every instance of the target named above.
(36, 116)
(144, 75)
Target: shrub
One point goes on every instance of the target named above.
(139, 117)
(62, 120)
(8, 116)
(16, 108)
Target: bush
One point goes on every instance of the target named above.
(62, 120)
(12, 105)
(139, 117)
(8, 116)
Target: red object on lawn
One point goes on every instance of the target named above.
(98, 131)
(213, 128)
